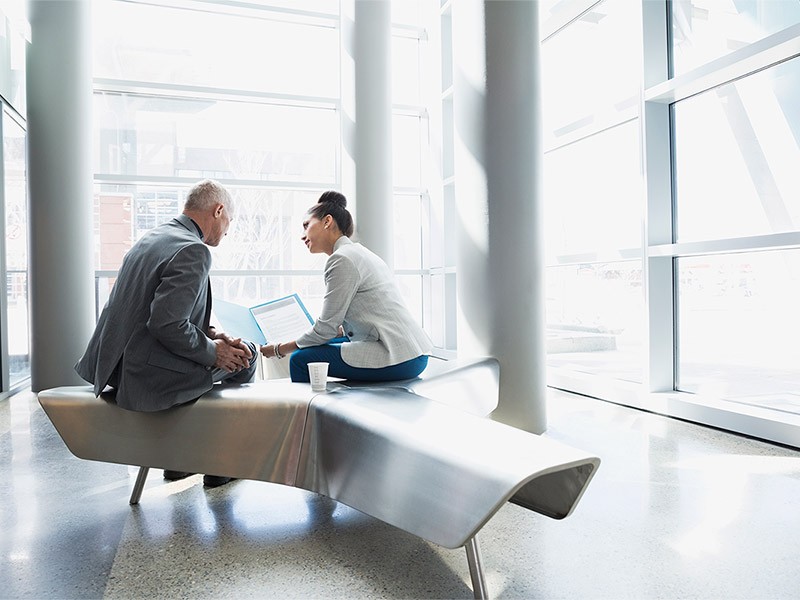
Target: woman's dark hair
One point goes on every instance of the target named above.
(333, 203)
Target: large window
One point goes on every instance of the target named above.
(593, 191)
(410, 142)
(705, 30)
(737, 193)
(671, 195)
(591, 69)
(14, 323)
(739, 327)
(145, 135)
(13, 31)
(206, 46)
(255, 109)
(250, 94)
(736, 157)
(16, 249)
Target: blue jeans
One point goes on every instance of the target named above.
(331, 353)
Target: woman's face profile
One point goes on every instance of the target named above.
(316, 235)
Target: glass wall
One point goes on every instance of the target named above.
(255, 110)
(261, 110)
(157, 136)
(410, 142)
(593, 190)
(672, 136)
(14, 323)
(14, 35)
(254, 50)
(736, 157)
(738, 327)
(16, 250)
(736, 192)
(442, 213)
(706, 30)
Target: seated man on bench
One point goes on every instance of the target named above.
(154, 343)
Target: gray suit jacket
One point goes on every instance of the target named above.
(151, 342)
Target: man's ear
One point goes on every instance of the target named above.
(218, 210)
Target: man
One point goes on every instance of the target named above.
(153, 343)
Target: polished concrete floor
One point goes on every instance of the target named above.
(676, 510)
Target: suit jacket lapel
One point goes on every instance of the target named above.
(207, 317)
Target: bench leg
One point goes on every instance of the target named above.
(479, 589)
(139, 485)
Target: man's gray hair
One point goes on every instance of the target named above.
(205, 194)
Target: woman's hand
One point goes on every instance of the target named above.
(278, 350)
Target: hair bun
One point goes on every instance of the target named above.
(334, 198)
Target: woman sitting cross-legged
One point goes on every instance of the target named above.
(382, 341)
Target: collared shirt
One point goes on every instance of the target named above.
(199, 231)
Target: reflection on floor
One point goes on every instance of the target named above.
(775, 389)
(676, 511)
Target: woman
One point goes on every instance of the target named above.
(383, 341)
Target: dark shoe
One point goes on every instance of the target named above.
(213, 481)
(175, 475)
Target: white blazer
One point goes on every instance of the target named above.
(362, 296)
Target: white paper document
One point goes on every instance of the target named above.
(282, 320)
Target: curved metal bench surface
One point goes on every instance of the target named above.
(259, 425)
(430, 470)
(469, 384)
(253, 431)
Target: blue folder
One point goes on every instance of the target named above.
(240, 321)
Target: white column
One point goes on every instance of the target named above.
(513, 152)
(498, 200)
(373, 131)
(59, 93)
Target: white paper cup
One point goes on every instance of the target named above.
(318, 373)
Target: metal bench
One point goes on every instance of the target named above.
(402, 452)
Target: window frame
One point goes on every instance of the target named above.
(660, 253)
